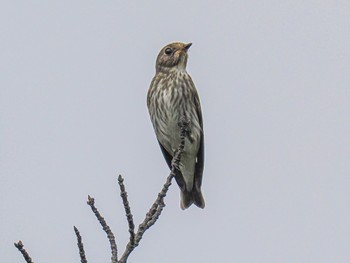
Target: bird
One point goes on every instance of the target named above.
(171, 96)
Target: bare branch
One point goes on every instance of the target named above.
(106, 228)
(157, 207)
(150, 219)
(20, 247)
(128, 213)
(80, 246)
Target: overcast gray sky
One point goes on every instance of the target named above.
(273, 77)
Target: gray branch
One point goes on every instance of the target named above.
(157, 207)
(80, 246)
(20, 247)
(150, 219)
(128, 213)
(106, 228)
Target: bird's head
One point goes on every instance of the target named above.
(171, 56)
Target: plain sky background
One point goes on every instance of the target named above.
(274, 82)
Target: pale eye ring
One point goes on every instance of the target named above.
(168, 51)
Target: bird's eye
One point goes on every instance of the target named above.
(168, 51)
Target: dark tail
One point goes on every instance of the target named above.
(198, 199)
(189, 198)
(186, 199)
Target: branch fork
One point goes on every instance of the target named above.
(150, 218)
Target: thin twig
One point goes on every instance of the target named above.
(157, 207)
(150, 219)
(128, 213)
(106, 228)
(20, 247)
(80, 246)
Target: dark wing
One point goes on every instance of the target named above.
(200, 155)
(168, 158)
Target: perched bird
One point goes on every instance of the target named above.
(172, 96)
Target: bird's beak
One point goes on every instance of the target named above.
(187, 46)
